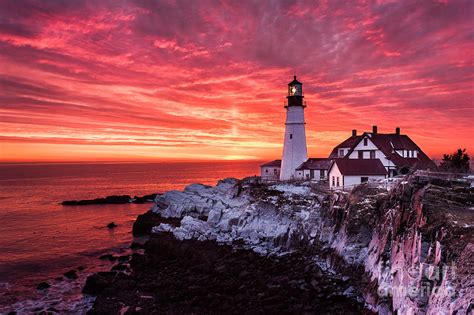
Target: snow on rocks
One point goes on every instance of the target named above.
(382, 232)
(291, 189)
(265, 218)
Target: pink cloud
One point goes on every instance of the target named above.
(213, 76)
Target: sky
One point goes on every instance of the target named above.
(207, 80)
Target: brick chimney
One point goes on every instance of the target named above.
(397, 130)
(354, 132)
(374, 130)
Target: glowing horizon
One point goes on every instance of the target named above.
(205, 80)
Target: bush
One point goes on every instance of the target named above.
(457, 162)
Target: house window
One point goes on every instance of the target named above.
(337, 181)
(333, 181)
(291, 136)
(341, 152)
(365, 141)
(372, 154)
(275, 171)
(364, 179)
(409, 153)
(321, 174)
(311, 173)
(266, 170)
(361, 154)
(307, 176)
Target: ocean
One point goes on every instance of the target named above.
(40, 239)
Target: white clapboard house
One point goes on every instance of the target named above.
(360, 158)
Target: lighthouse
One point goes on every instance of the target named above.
(294, 144)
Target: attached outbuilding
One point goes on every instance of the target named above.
(314, 169)
(270, 171)
(347, 173)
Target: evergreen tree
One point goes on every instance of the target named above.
(457, 162)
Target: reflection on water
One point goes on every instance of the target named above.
(40, 239)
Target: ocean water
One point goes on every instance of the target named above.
(40, 239)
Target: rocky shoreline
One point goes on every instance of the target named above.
(296, 248)
(202, 277)
(123, 199)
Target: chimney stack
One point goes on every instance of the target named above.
(374, 130)
(397, 130)
(354, 132)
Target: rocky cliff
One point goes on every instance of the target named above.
(408, 249)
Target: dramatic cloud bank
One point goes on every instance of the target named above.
(90, 80)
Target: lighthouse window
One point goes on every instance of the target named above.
(291, 136)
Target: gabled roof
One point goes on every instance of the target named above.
(348, 143)
(275, 163)
(359, 166)
(388, 143)
(315, 164)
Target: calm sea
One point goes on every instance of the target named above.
(40, 239)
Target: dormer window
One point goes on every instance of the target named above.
(341, 152)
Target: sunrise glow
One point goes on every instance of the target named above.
(188, 80)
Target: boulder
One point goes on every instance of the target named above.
(71, 274)
(97, 282)
(145, 222)
(111, 225)
(43, 286)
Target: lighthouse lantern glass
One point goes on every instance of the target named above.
(294, 89)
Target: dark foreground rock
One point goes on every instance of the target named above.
(123, 199)
(111, 225)
(175, 277)
(145, 222)
(43, 286)
(71, 274)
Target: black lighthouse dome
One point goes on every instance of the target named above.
(295, 93)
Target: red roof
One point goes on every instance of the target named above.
(388, 143)
(348, 143)
(276, 163)
(360, 166)
(315, 164)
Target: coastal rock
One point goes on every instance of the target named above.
(71, 274)
(111, 225)
(98, 282)
(144, 199)
(201, 277)
(43, 286)
(145, 222)
(383, 233)
(123, 199)
(246, 246)
(99, 201)
(108, 257)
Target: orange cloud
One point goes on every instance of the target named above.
(190, 80)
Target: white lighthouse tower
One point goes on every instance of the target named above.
(294, 147)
